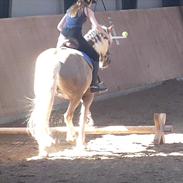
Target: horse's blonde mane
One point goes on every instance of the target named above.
(93, 32)
(98, 40)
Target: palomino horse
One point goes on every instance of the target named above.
(64, 71)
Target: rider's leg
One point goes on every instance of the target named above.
(90, 51)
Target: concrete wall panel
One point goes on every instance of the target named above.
(21, 40)
(153, 52)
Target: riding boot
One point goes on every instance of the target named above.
(94, 84)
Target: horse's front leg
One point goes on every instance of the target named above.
(84, 114)
(68, 119)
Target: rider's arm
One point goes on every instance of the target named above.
(61, 23)
(90, 14)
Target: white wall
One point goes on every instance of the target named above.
(142, 4)
(36, 7)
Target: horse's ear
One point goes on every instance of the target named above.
(110, 28)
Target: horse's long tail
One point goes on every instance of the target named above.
(45, 82)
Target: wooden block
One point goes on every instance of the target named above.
(159, 120)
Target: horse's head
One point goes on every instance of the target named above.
(101, 44)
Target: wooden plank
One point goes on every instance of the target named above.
(115, 130)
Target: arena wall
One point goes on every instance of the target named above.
(152, 53)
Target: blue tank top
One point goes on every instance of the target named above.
(75, 22)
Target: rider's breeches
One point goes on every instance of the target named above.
(88, 49)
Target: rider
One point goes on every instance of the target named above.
(70, 27)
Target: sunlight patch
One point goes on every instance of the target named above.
(114, 146)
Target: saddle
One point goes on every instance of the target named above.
(74, 44)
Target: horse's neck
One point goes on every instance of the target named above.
(94, 39)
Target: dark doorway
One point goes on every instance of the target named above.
(5, 8)
(68, 3)
(129, 4)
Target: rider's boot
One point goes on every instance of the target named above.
(95, 87)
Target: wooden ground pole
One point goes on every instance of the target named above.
(113, 130)
(160, 129)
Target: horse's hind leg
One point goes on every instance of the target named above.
(68, 117)
(85, 111)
